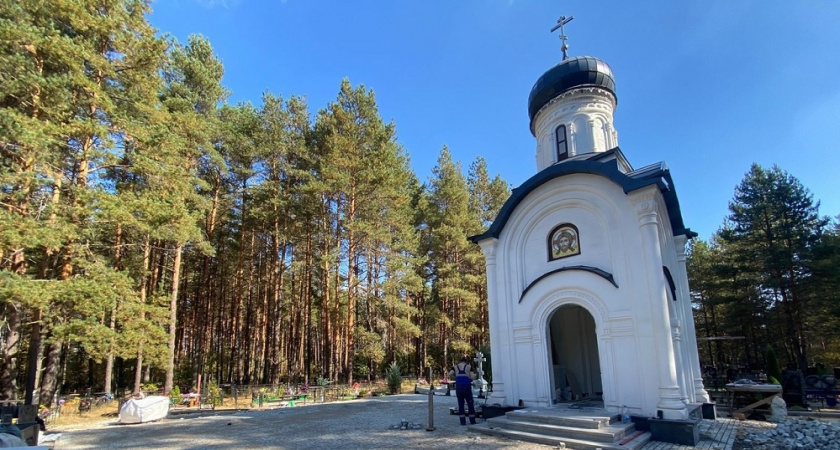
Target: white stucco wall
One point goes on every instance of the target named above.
(587, 114)
(628, 236)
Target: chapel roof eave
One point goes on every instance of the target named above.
(654, 174)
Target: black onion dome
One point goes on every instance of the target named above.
(579, 71)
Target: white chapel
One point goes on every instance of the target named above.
(588, 292)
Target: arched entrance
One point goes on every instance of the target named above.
(573, 355)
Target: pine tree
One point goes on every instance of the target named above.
(84, 80)
(284, 206)
(364, 173)
(192, 96)
(486, 200)
(823, 316)
(450, 222)
(775, 225)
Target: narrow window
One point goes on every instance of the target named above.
(562, 145)
(671, 284)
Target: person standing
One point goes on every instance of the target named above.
(464, 375)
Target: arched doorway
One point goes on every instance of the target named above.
(573, 355)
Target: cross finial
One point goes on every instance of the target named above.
(563, 20)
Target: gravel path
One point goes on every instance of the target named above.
(357, 424)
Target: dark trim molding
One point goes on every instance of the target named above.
(601, 273)
(658, 176)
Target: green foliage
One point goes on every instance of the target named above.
(175, 395)
(774, 227)
(120, 149)
(393, 377)
(774, 371)
(764, 276)
(361, 368)
(455, 269)
(214, 394)
(821, 369)
(184, 374)
(487, 366)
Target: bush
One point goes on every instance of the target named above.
(175, 395)
(393, 375)
(487, 367)
(214, 394)
(774, 371)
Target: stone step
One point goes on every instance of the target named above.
(634, 441)
(605, 434)
(552, 417)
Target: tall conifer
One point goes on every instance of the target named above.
(192, 96)
(775, 225)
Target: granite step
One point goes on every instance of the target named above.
(592, 420)
(632, 442)
(560, 428)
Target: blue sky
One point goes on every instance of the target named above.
(707, 86)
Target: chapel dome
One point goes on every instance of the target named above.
(578, 71)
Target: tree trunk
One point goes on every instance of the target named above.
(173, 318)
(51, 370)
(112, 323)
(138, 368)
(326, 306)
(278, 261)
(308, 311)
(34, 367)
(352, 268)
(11, 346)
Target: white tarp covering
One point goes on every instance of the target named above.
(146, 409)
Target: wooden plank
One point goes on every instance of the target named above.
(756, 404)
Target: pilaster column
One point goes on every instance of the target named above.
(488, 247)
(678, 358)
(669, 392)
(692, 356)
(592, 132)
(609, 133)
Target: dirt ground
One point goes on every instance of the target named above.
(365, 423)
(356, 424)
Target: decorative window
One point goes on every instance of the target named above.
(562, 143)
(563, 241)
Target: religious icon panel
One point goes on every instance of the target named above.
(563, 241)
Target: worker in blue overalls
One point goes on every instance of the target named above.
(463, 374)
